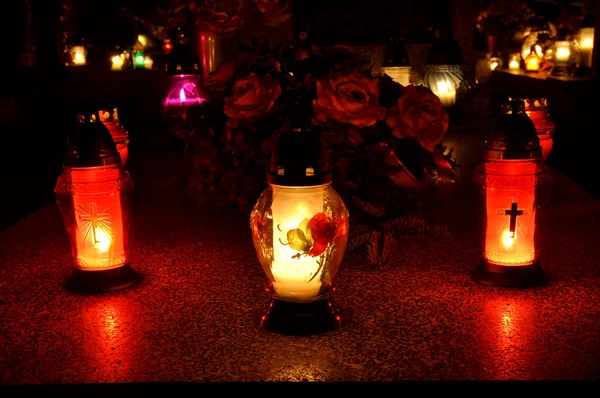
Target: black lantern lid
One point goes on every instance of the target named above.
(182, 60)
(395, 54)
(300, 159)
(444, 50)
(90, 143)
(513, 135)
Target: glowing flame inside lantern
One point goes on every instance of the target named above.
(509, 239)
(184, 93)
(101, 240)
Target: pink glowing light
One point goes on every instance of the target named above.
(184, 92)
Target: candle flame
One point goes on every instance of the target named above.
(563, 53)
(102, 242)
(494, 65)
(182, 95)
(443, 86)
(509, 239)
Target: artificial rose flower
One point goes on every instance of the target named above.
(419, 115)
(222, 75)
(323, 230)
(252, 97)
(348, 98)
(266, 6)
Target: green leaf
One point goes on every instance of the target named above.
(305, 227)
(297, 240)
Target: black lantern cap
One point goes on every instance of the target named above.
(182, 60)
(513, 135)
(90, 143)
(300, 159)
(395, 54)
(444, 50)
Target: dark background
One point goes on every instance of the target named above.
(39, 95)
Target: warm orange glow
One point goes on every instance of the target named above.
(78, 55)
(99, 232)
(532, 62)
(586, 46)
(446, 92)
(117, 62)
(298, 277)
(509, 239)
(510, 213)
(91, 203)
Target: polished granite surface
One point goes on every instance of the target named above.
(193, 317)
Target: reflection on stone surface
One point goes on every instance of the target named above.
(507, 334)
(106, 337)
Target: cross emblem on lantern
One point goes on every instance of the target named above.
(94, 218)
(513, 212)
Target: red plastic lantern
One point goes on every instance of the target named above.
(515, 188)
(110, 117)
(94, 195)
(185, 97)
(300, 229)
(537, 110)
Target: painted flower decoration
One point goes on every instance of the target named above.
(252, 97)
(418, 115)
(348, 98)
(312, 237)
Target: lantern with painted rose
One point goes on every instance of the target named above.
(300, 229)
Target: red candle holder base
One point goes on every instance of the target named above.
(524, 276)
(102, 281)
(300, 319)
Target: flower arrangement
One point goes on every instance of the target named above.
(503, 16)
(384, 139)
(224, 17)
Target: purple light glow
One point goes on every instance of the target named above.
(184, 92)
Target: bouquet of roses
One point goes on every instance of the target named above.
(384, 139)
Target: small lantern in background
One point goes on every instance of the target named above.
(444, 71)
(117, 61)
(110, 117)
(148, 62)
(584, 42)
(537, 110)
(495, 61)
(396, 63)
(539, 33)
(139, 60)
(94, 195)
(185, 97)
(562, 55)
(514, 190)
(514, 62)
(300, 229)
(78, 55)
(533, 60)
(167, 46)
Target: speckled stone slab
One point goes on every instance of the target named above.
(193, 317)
